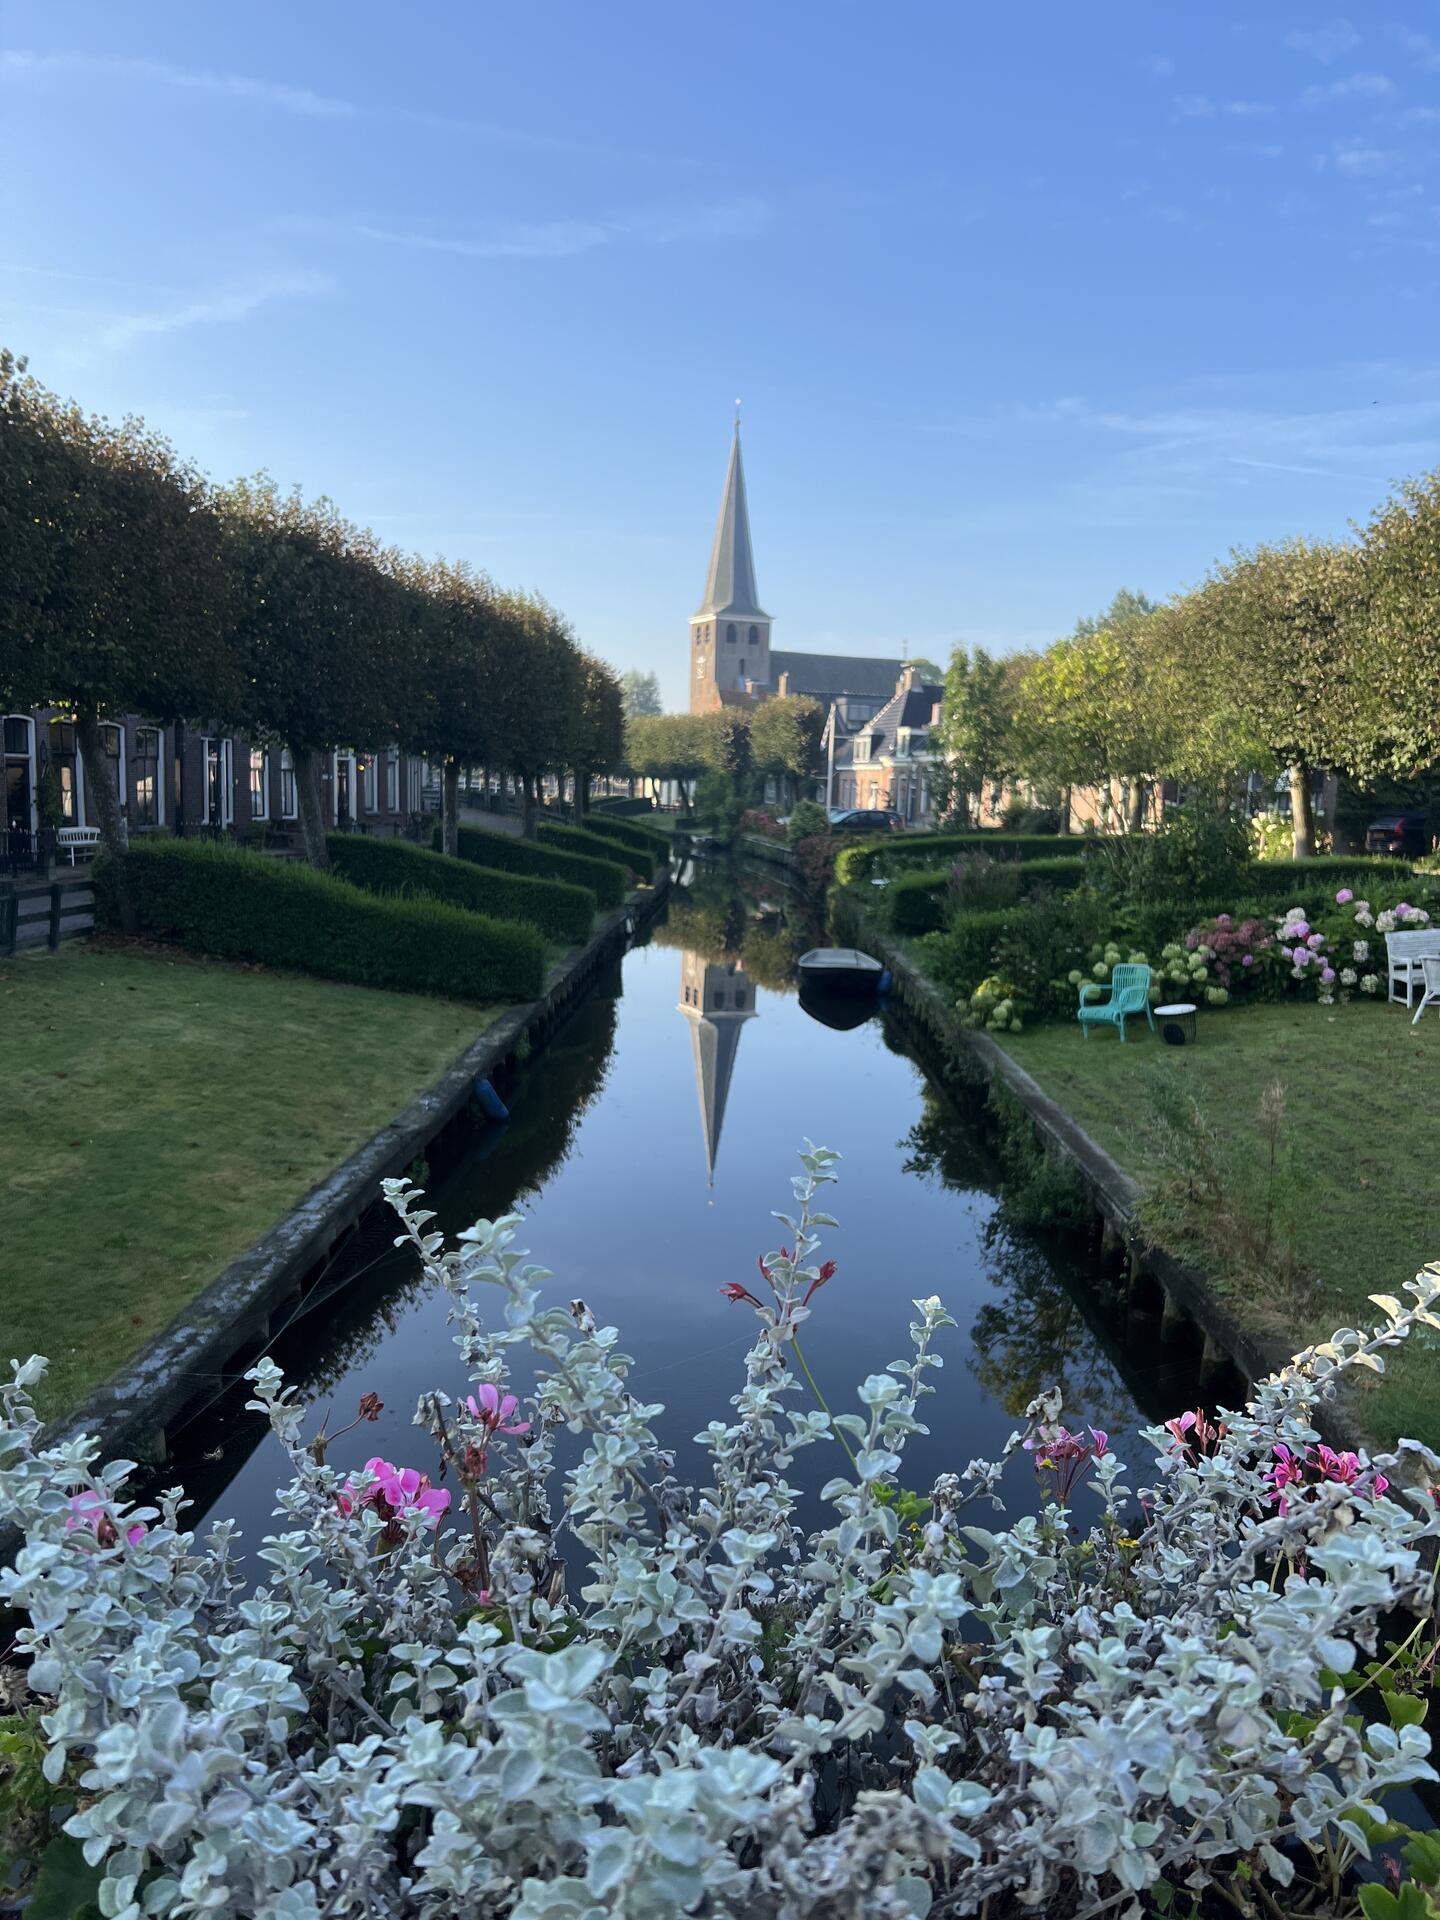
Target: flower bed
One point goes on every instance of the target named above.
(551, 1695)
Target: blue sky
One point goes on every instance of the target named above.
(1024, 303)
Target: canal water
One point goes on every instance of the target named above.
(650, 1142)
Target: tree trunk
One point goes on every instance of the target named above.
(528, 785)
(582, 795)
(1065, 809)
(1302, 817)
(312, 811)
(450, 809)
(100, 795)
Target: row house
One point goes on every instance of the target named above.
(882, 754)
(180, 779)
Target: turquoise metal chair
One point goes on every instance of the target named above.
(1129, 991)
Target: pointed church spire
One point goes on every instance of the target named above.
(717, 1000)
(730, 588)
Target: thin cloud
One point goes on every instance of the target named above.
(1421, 48)
(20, 65)
(565, 239)
(1363, 162)
(1359, 86)
(1199, 106)
(233, 86)
(1160, 66)
(227, 304)
(1325, 44)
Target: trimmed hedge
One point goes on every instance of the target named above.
(912, 849)
(247, 906)
(502, 852)
(595, 846)
(917, 901)
(560, 911)
(629, 833)
(1276, 879)
(626, 809)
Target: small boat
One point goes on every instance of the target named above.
(840, 970)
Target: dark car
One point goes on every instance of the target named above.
(1402, 833)
(866, 820)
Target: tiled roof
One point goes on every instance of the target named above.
(825, 676)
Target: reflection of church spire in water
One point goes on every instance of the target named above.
(716, 998)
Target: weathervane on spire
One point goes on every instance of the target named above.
(737, 414)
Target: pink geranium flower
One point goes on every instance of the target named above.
(1344, 897)
(394, 1492)
(495, 1410)
(89, 1511)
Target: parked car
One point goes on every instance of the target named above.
(865, 820)
(1401, 833)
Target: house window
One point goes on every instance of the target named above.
(19, 770)
(259, 786)
(219, 782)
(62, 759)
(874, 794)
(392, 779)
(145, 808)
(730, 634)
(112, 745)
(372, 783)
(289, 810)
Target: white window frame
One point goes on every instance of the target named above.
(29, 720)
(287, 765)
(370, 785)
(392, 779)
(264, 813)
(159, 733)
(121, 766)
(335, 759)
(225, 749)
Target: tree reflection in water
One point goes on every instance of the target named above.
(1036, 1334)
(727, 914)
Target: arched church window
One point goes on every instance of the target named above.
(754, 636)
(730, 634)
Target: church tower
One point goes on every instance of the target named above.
(730, 634)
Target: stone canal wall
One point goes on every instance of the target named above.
(228, 1325)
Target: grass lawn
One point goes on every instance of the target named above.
(1355, 1193)
(159, 1114)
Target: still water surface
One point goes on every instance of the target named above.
(649, 1143)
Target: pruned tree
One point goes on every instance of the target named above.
(113, 596)
(785, 737)
(976, 733)
(460, 674)
(597, 739)
(318, 619)
(543, 687)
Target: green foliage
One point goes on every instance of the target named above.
(808, 818)
(244, 906)
(26, 1796)
(916, 902)
(630, 835)
(919, 902)
(785, 737)
(65, 1888)
(1040, 1189)
(49, 798)
(640, 693)
(1199, 852)
(557, 909)
(604, 877)
(976, 731)
(869, 857)
(595, 846)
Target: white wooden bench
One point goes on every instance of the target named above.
(1404, 953)
(84, 840)
(1430, 969)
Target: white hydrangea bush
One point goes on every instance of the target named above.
(558, 1692)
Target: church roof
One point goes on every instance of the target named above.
(825, 676)
(730, 587)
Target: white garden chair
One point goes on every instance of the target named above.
(1405, 952)
(1430, 977)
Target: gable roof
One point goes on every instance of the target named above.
(911, 708)
(730, 585)
(825, 676)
